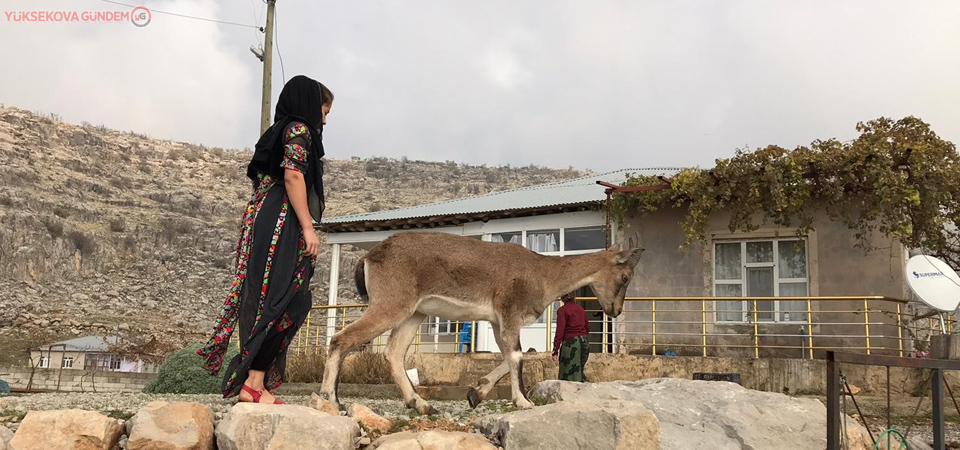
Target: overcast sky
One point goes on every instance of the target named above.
(598, 85)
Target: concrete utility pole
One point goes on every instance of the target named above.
(267, 68)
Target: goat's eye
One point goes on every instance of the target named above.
(624, 278)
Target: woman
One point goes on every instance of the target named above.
(278, 246)
(571, 347)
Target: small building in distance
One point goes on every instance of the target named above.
(91, 353)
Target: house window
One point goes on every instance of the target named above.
(44, 362)
(67, 362)
(557, 242)
(512, 238)
(547, 241)
(443, 326)
(761, 268)
(115, 363)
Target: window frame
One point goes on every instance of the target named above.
(65, 360)
(44, 362)
(436, 323)
(746, 316)
(535, 228)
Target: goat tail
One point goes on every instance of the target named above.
(359, 276)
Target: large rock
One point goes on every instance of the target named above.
(66, 430)
(251, 426)
(713, 415)
(369, 419)
(595, 425)
(5, 436)
(432, 440)
(171, 426)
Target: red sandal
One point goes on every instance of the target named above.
(257, 394)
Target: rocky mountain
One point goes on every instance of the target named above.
(103, 230)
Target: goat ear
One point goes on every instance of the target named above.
(614, 248)
(631, 257)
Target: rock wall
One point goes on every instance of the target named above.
(72, 380)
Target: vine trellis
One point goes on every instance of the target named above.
(897, 178)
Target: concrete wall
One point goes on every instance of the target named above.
(790, 376)
(835, 267)
(75, 380)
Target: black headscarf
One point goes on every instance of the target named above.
(300, 101)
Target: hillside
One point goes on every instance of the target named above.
(101, 229)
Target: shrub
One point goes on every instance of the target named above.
(83, 242)
(305, 368)
(118, 225)
(366, 368)
(61, 212)
(129, 243)
(170, 228)
(54, 226)
(182, 372)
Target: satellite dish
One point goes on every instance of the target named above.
(934, 282)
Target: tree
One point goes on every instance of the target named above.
(897, 177)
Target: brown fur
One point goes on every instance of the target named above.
(411, 275)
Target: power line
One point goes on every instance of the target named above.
(256, 20)
(276, 32)
(187, 17)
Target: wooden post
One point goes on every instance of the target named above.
(267, 68)
(833, 403)
(936, 379)
(334, 289)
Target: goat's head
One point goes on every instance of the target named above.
(610, 284)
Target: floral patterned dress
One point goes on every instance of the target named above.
(270, 294)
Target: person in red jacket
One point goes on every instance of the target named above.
(571, 347)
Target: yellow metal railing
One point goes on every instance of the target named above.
(691, 326)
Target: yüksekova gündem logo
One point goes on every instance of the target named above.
(139, 16)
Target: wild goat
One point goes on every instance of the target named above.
(412, 275)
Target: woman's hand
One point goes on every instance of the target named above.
(311, 242)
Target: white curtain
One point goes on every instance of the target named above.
(514, 239)
(543, 242)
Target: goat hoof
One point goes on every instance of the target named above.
(473, 397)
(426, 409)
(523, 404)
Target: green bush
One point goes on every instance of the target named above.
(183, 373)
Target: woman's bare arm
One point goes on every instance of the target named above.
(297, 193)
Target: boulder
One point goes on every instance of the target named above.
(594, 425)
(432, 440)
(714, 415)
(66, 430)
(171, 426)
(321, 404)
(5, 436)
(251, 426)
(369, 419)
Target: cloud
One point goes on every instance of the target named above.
(559, 83)
(170, 79)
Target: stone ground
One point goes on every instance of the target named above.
(454, 414)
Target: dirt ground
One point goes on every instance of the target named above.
(905, 416)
